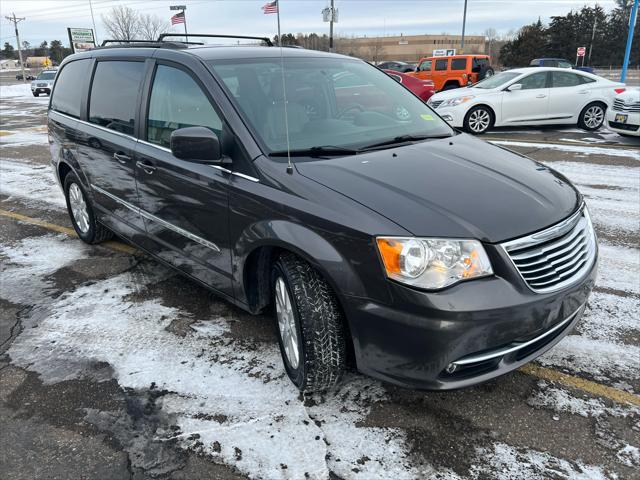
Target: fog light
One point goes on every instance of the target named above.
(452, 367)
(447, 118)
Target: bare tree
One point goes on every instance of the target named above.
(151, 26)
(122, 23)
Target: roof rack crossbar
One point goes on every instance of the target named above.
(266, 40)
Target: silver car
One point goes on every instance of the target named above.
(43, 83)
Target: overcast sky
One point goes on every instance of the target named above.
(48, 19)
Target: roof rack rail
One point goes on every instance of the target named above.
(162, 37)
(145, 43)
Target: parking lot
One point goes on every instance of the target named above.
(113, 366)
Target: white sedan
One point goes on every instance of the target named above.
(624, 114)
(528, 96)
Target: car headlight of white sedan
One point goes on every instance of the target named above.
(454, 102)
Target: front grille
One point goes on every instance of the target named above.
(623, 126)
(435, 104)
(620, 106)
(556, 257)
(42, 84)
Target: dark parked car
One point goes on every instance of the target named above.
(402, 67)
(558, 62)
(377, 233)
(29, 77)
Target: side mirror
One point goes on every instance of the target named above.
(514, 87)
(198, 144)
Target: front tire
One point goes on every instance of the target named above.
(311, 331)
(36, 94)
(82, 214)
(592, 117)
(478, 120)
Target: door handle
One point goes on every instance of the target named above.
(583, 92)
(121, 157)
(542, 95)
(146, 166)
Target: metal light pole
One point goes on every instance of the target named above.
(330, 14)
(464, 24)
(93, 20)
(331, 29)
(627, 53)
(15, 21)
(593, 35)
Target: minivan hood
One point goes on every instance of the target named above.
(460, 187)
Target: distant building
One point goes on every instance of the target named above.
(9, 63)
(32, 62)
(409, 48)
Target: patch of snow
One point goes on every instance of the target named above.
(23, 136)
(609, 318)
(20, 91)
(629, 456)
(31, 183)
(235, 396)
(602, 360)
(504, 462)
(582, 150)
(26, 265)
(561, 400)
(619, 268)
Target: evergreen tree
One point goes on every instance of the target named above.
(8, 51)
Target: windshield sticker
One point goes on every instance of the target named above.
(427, 117)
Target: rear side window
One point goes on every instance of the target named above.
(459, 64)
(564, 79)
(177, 102)
(114, 95)
(584, 79)
(533, 81)
(442, 64)
(67, 93)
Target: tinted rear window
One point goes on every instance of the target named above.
(68, 90)
(459, 64)
(114, 95)
(441, 64)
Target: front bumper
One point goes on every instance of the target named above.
(463, 335)
(630, 127)
(46, 90)
(453, 116)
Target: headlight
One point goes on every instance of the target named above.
(452, 102)
(433, 263)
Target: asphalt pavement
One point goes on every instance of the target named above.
(112, 366)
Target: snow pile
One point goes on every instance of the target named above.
(582, 150)
(23, 136)
(16, 90)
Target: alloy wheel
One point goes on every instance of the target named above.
(479, 120)
(79, 208)
(287, 323)
(594, 116)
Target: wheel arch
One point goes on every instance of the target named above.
(485, 105)
(261, 243)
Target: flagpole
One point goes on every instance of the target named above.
(185, 26)
(278, 12)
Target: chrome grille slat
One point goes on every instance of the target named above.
(620, 106)
(556, 263)
(558, 253)
(549, 247)
(556, 257)
(435, 104)
(558, 270)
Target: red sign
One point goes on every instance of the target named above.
(582, 51)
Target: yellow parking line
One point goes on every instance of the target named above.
(558, 142)
(549, 374)
(113, 245)
(588, 386)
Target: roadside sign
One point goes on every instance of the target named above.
(444, 52)
(81, 39)
(581, 51)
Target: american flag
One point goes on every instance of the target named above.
(271, 7)
(177, 18)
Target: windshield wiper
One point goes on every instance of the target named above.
(403, 139)
(318, 151)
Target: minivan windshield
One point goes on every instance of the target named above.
(334, 106)
(496, 80)
(47, 76)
